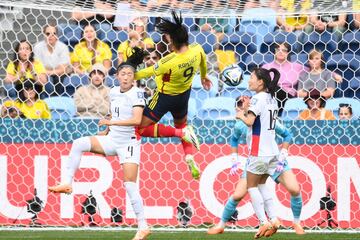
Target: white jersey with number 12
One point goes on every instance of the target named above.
(261, 135)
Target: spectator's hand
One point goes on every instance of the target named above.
(104, 122)
(206, 83)
(289, 28)
(282, 157)
(338, 78)
(320, 26)
(206, 27)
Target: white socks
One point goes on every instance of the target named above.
(268, 201)
(136, 203)
(79, 146)
(258, 204)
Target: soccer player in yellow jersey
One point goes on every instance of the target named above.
(174, 75)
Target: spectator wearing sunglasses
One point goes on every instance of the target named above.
(345, 111)
(55, 57)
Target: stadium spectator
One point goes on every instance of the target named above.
(86, 18)
(148, 84)
(345, 111)
(89, 51)
(335, 23)
(93, 100)
(55, 57)
(297, 22)
(316, 107)
(24, 66)
(123, 19)
(137, 38)
(356, 15)
(217, 26)
(289, 74)
(317, 77)
(29, 103)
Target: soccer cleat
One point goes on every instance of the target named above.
(142, 234)
(190, 137)
(193, 167)
(298, 229)
(61, 188)
(215, 230)
(276, 224)
(263, 228)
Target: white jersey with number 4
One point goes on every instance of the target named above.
(261, 135)
(121, 106)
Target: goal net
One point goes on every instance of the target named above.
(35, 143)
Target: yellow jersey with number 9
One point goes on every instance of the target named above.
(175, 72)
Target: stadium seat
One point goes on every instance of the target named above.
(155, 36)
(257, 60)
(217, 108)
(244, 44)
(73, 82)
(190, 24)
(333, 104)
(206, 39)
(258, 27)
(350, 43)
(302, 58)
(279, 37)
(70, 34)
(347, 65)
(111, 81)
(321, 41)
(292, 108)
(61, 107)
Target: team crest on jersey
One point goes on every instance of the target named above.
(140, 94)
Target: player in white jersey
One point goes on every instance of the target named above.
(264, 151)
(127, 105)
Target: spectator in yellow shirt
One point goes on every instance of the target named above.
(29, 103)
(316, 108)
(137, 38)
(89, 51)
(24, 66)
(297, 22)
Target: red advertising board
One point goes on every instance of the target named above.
(165, 181)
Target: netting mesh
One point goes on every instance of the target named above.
(34, 148)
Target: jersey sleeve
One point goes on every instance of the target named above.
(240, 130)
(255, 105)
(283, 132)
(138, 99)
(145, 73)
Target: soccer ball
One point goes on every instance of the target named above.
(232, 75)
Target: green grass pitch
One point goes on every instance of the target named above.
(125, 235)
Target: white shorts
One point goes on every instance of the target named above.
(262, 165)
(127, 153)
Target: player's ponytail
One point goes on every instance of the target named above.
(269, 84)
(134, 60)
(176, 30)
(273, 84)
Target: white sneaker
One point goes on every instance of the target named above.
(190, 136)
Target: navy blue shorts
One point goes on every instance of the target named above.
(162, 103)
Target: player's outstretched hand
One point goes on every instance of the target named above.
(206, 83)
(104, 122)
(235, 164)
